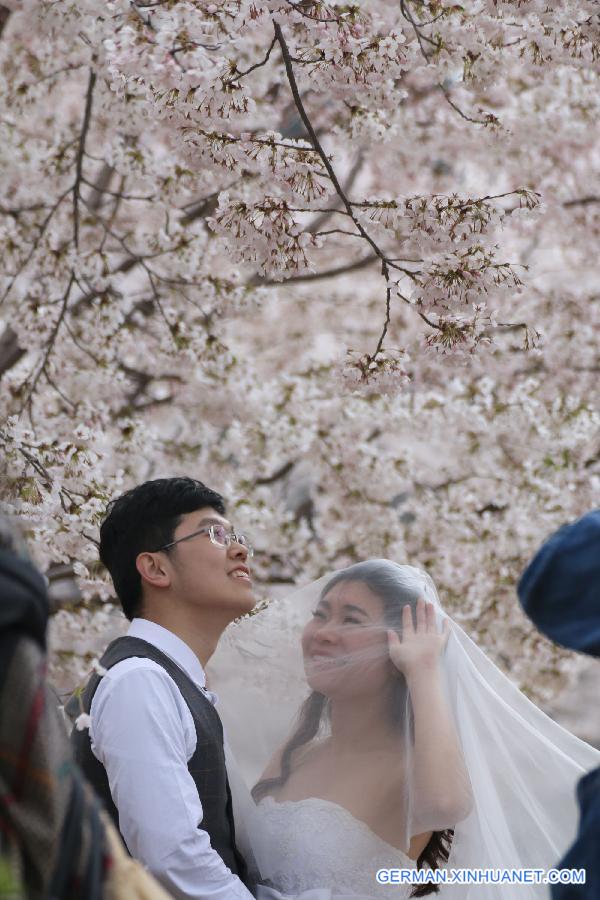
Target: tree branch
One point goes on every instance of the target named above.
(317, 276)
(331, 172)
(582, 201)
(320, 220)
(80, 153)
(4, 14)
(280, 473)
(315, 140)
(10, 351)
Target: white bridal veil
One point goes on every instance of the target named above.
(393, 757)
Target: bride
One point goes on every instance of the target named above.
(375, 736)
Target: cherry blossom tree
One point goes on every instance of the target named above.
(336, 260)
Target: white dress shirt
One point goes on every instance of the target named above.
(143, 734)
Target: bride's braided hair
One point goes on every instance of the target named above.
(437, 850)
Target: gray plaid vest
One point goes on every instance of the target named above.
(206, 766)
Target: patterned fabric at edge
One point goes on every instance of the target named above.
(49, 818)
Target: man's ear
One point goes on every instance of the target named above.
(153, 570)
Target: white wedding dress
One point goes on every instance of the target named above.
(319, 847)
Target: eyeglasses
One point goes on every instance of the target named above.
(218, 535)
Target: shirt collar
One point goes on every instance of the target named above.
(173, 646)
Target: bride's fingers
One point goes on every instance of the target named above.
(394, 648)
(446, 629)
(421, 615)
(394, 642)
(431, 620)
(407, 621)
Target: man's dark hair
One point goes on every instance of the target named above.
(144, 519)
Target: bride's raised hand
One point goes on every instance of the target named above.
(421, 647)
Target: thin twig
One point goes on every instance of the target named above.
(337, 231)
(388, 299)
(419, 34)
(19, 211)
(492, 120)
(50, 344)
(114, 211)
(421, 314)
(54, 74)
(121, 196)
(297, 8)
(35, 244)
(263, 62)
(55, 387)
(420, 37)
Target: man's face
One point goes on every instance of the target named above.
(206, 574)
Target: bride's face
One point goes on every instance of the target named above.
(344, 645)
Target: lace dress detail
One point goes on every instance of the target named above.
(316, 843)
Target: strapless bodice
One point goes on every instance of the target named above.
(315, 843)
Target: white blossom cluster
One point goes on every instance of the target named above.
(336, 260)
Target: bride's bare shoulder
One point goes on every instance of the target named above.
(300, 757)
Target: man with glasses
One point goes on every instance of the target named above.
(154, 750)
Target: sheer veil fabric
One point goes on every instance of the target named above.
(384, 754)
